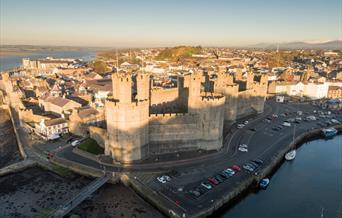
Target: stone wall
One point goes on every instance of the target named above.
(98, 134)
(28, 116)
(127, 127)
(161, 95)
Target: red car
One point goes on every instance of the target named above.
(213, 181)
(236, 168)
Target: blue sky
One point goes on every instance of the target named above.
(166, 23)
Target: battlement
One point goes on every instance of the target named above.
(212, 97)
(173, 118)
(113, 103)
(168, 115)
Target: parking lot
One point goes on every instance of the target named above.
(193, 188)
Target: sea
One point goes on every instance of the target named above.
(13, 61)
(310, 186)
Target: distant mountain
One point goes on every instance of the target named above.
(336, 44)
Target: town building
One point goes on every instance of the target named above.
(52, 129)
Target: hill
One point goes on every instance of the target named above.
(179, 52)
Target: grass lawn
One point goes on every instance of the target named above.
(62, 171)
(91, 146)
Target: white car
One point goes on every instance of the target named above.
(205, 185)
(161, 179)
(240, 126)
(243, 146)
(243, 149)
(246, 122)
(287, 124)
(74, 143)
(164, 179)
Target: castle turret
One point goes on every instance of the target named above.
(238, 74)
(122, 87)
(249, 80)
(143, 86)
(127, 119)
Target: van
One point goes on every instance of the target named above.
(287, 124)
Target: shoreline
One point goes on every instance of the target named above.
(271, 169)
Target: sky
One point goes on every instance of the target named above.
(153, 23)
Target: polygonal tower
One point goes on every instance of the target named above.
(127, 118)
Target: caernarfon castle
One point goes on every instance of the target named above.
(143, 120)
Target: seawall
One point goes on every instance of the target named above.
(275, 163)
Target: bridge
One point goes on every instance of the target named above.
(82, 195)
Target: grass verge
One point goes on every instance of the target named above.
(91, 146)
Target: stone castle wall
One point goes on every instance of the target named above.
(136, 131)
(128, 130)
(98, 134)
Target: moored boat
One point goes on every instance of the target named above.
(264, 183)
(290, 155)
(329, 132)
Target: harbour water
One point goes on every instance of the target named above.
(9, 62)
(309, 186)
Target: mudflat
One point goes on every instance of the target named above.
(116, 201)
(34, 192)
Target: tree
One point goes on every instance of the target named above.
(100, 66)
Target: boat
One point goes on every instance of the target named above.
(329, 132)
(264, 183)
(290, 155)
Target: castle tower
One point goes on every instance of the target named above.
(249, 80)
(143, 86)
(194, 91)
(122, 87)
(195, 84)
(127, 120)
(238, 74)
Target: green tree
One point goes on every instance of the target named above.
(100, 66)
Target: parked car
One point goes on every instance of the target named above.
(259, 161)
(164, 179)
(75, 143)
(236, 168)
(240, 126)
(243, 149)
(243, 146)
(275, 128)
(287, 124)
(230, 171)
(227, 173)
(195, 192)
(206, 185)
(246, 122)
(219, 178)
(248, 168)
(161, 179)
(213, 181)
(224, 175)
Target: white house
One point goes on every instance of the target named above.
(311, 90)
(52, 129)
(316, 90)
